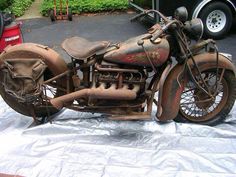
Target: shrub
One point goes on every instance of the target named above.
(79, 6)
(18, 7)
(5, 4)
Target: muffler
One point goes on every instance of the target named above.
(111, 93)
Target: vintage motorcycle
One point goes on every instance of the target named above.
(195, 83)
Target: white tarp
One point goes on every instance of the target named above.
(86, 145)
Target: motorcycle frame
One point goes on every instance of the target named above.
(168, 98)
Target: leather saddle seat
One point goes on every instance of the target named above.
(80, 48)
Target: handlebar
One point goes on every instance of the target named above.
(148, 12)
(137, 16)
(168, 23)
(167, 26)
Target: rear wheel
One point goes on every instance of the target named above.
(198, 107)
(41, 106)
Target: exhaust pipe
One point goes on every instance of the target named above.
(97, 93)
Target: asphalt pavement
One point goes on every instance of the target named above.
(113, 27)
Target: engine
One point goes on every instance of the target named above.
(124, 86)
(110, 74)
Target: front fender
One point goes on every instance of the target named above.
(172, 88)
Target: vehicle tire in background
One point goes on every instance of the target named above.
(217, 19)
(51, 15)
(1, 25)
(69, 14)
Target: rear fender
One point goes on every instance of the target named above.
(172, 88)
(30, 50)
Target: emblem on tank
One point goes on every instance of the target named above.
(154, 55)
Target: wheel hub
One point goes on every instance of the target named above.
(203, 100)
(216, 21)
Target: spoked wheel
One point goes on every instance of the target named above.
(197, 106)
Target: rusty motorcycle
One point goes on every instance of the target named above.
(169, 67)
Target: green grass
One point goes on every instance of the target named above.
(79, 6)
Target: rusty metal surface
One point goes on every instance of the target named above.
(100, 68)
(172, 89)
(208, 60)
(27, 51)
(30, 50)
(129, 52)
(161, 89)
(82, 144)
(101, 92)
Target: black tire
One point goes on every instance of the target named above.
(70, 14)
(217, 20)
(51, 15)
(1, 25)
(219, 113)
(23, 108)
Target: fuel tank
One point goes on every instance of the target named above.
(130, 53)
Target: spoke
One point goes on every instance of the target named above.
(189, 90)
(191, 110)
(195, 104)
(50, 89)
(201, 101)
(48, 93)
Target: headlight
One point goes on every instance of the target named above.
(181, 14)
(194, 29)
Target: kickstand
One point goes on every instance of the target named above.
(32, 112)
(42, 121)
(45, 120)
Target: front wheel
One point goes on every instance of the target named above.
(196, 106)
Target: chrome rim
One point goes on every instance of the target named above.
(216, 21)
